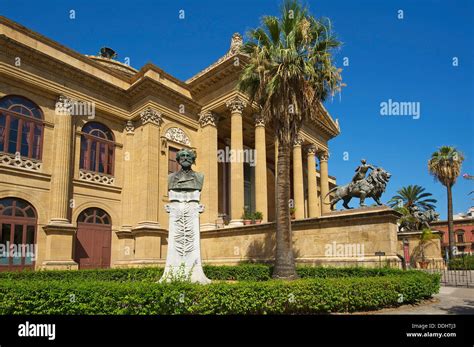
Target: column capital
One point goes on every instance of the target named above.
(298, 141)
(208, 118)
(259, 120)
(150, 115)
(311, 150)
(323, 155)
(236, 104)
(129, 128)
(63, 105)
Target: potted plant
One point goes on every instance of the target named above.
(292, 212)
(425, 238)
(247, 216)
(258, 216)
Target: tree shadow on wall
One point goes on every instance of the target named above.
(263, 251)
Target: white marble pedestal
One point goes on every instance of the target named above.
(183, 260)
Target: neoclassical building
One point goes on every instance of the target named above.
(87, 143)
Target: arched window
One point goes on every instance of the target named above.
(97, 148)
(94, 215)
(17, 234)
(21, 127)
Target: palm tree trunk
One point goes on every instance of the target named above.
(450, 222)
(284, 259)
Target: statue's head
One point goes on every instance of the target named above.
(186, 158)
(363, 161)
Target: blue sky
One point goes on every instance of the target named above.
(405, 60)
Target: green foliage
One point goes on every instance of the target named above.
(313, 295)
(243, 272)
(413, 195)
(258, 215)
(462, 263)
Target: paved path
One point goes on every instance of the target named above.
(449, 300)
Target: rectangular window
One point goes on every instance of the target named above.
(173, 165)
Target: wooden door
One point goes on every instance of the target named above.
(92, 249)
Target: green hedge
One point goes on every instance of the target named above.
(462, 263)
(316, 295)
(244, 272)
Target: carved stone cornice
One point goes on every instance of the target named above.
(236, 104)
(259, 120)
(208, 118)
(150, 115)
(129, 127)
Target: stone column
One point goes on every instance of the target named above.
(323, 162)
(313, 210)
(236, 106)
(298, 188)
(208, 166)
(125, 237)
(261, 168)
(60, 232)
(61, 176)
(149, 158)
(127, 186)
(148, 233)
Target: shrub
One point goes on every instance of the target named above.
(462, 263)
(314, 295)
(243, 272)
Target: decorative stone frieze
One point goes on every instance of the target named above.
(96, 177)
(177, 135)
(8, 159)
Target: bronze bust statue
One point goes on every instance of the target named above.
(185, 178)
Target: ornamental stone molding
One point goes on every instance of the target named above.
(96, 177)
(259, 120)
(150, 115)
(208, 118)
(8, 159)
(236, 104)
(177, 135)
(129, 127)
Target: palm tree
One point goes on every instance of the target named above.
(288, 73)
(413, 195)
(445, 166)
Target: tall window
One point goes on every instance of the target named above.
(17, 234)
(21, 127)
(173, 165)
(97, 148)
(460, 236)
